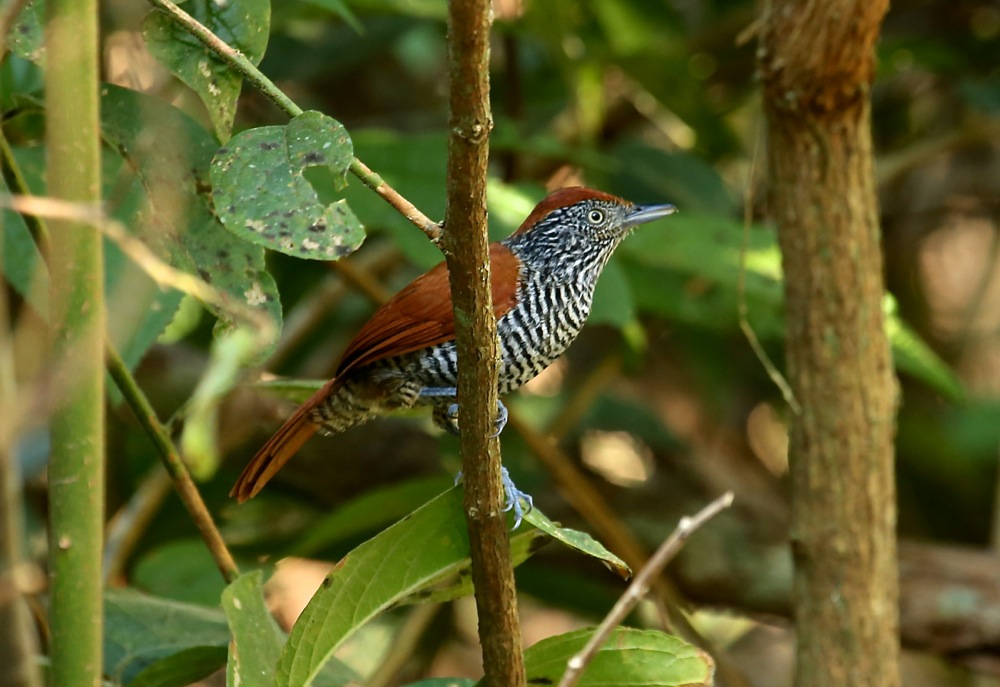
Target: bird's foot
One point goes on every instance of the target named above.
(512, 497)
(446, 416)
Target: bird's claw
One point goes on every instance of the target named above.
(512, 497)
(450, 419)
(501, 420)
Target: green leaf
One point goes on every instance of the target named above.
(242, 24)
(653, 175)
(646, 658)
(257, 639)
(407, 557)
(262, 194)
(524, 543)
(181, 570)
(183, 668)
(140, 630)
(142, 310)
(23, 266)
(340, 9)
(444, 682)
(581, 541)
(26, 34)
(176, 221)
(369, 511)
(417, 552)
(237, 269)
(912, 355)
(199, 439)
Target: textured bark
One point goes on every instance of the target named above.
(466, 247)
(817, 63)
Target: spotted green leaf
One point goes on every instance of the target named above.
(176, 220)
(263, 196)
(25, 38)
(242, 24)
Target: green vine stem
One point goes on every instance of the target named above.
(77, 323)
(173, 463)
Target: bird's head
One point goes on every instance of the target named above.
(580, 225)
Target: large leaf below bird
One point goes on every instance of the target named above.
(262, 195)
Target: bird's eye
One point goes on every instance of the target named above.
(595, 216)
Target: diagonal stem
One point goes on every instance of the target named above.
(172, 461)
(640, 585)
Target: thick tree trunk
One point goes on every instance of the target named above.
(817, 63)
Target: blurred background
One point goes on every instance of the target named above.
(661, 405)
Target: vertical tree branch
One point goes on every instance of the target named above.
(817, 62)
(466, 247)
(76, 465)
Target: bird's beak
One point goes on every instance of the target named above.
(640, 214)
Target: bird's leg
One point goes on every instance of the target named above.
(512, 497)
(446, 416)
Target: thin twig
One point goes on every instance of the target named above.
(158, 270)
(741, 291)
(239, 62)
(640, 585)
(18, 184)
(176, 468)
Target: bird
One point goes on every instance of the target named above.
(542, 283)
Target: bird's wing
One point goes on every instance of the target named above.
(421, 314)
(417, 317)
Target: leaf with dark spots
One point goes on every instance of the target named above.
(243, 24)
(177, 221)
(260, 178)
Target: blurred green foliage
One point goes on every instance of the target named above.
(654, 101)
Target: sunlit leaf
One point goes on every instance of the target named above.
(411, 555)
(581, 541)
(646, 658)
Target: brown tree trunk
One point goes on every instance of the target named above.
(817, 65)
